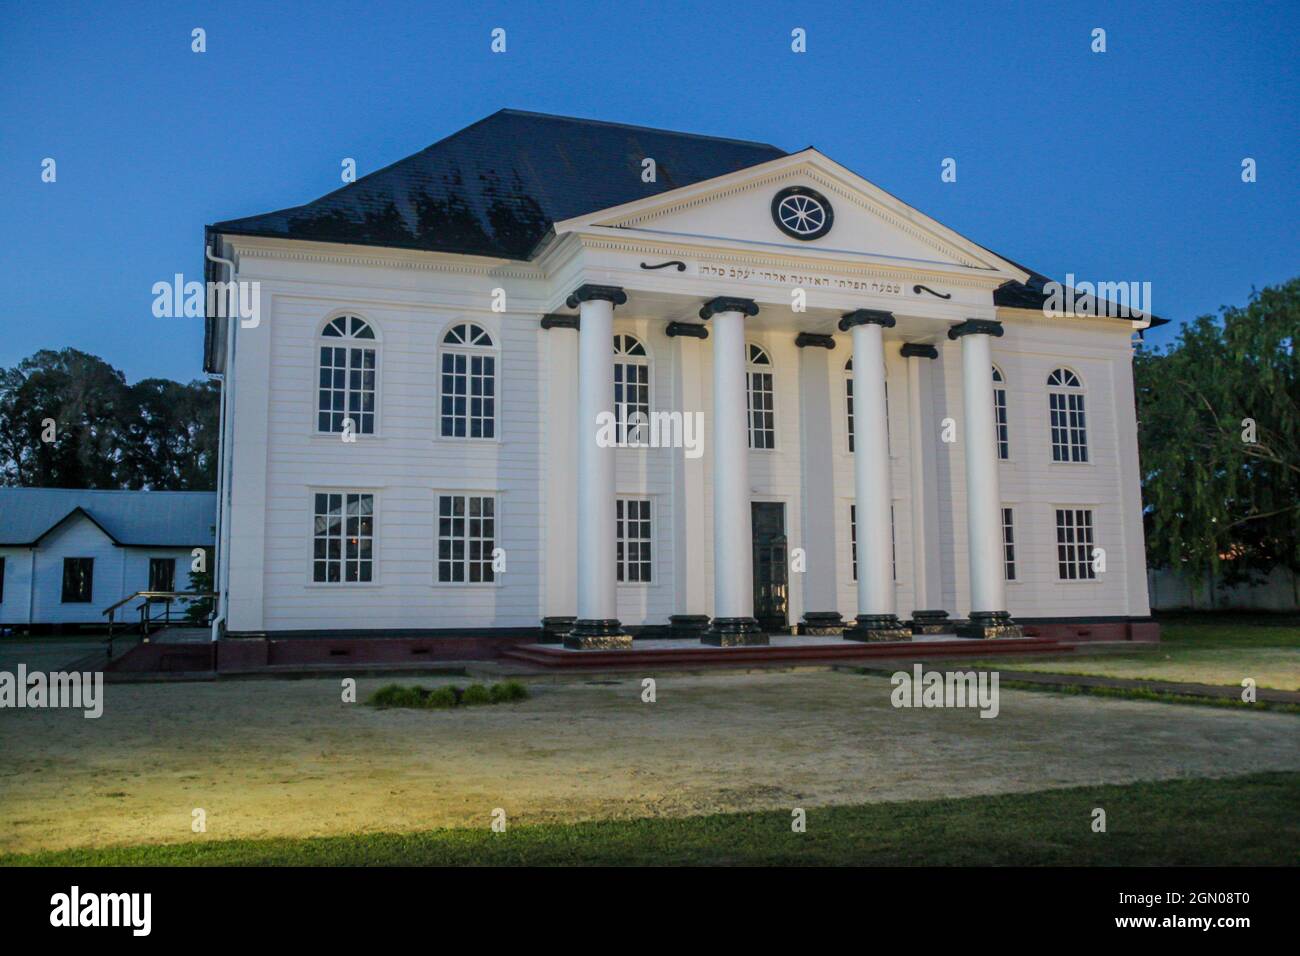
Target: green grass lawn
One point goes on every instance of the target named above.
(1240, 821)
(1200, 649)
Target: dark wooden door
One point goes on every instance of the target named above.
(771, 570)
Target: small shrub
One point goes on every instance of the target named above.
(440, 698)
(507, 691)
(475, 694)
(395, 695)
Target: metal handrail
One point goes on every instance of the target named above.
(146, 599)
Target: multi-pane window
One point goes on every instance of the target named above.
(631, 390)
(347, 377)
(162, 574)
(343, 537)
(1074, 544)
(760, 398)
(469, 383)
(848, 397)
(1000, 414)
(78, 580)
(466, 538)
(632, 518)
(853, 542)
(1069, 427)
(1008, 545)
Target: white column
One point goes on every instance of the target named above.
(690, 594)
(560, 494)
(988, 601)
(597, 625)
(733, 546)
(927, 618)
(871, 480)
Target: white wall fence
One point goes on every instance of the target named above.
(1279, 591)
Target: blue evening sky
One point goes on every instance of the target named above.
(1117, 166)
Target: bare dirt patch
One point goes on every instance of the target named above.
(288, 758)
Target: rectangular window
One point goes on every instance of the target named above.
(1069, 426)
(468, 395)
(347, 389)
(1074, 544)
(1000, 422)
(466, 538)
(762, 414)
(1008, 545)
(78, 580)
(2, 580)
(632, 518)
(343, 538)
(162, 574)
(632, 397)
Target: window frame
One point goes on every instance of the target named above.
(2, 577)
(464, 560)
(1001, 414)
(1010, 569)
(343, 490)
(470, 352)
(622, 361)
(853, 543)
(751, 369)
(621, 541)
(1090, 577)
(1066, 392)
(89, 582)
(374, 344)
(156, 559)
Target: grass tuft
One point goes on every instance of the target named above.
(447, 696)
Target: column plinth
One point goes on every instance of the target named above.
(989, 616)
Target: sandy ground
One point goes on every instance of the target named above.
(1275, 667)
(284, 757)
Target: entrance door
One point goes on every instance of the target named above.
(771, 573)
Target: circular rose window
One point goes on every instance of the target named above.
(802, 213)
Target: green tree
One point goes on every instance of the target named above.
(1219, 430)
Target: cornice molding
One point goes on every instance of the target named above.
(386, 258)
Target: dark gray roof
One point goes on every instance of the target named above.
(496, 187)
(133, 518)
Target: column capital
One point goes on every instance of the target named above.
(867, 317)
(975, 327)
(689, 329)
(805, 339)
(587, 292)
(725, 303)
(553, 320)
(918, 350)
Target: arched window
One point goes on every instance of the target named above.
(1000, 414)
(1069, 425)
(347, 376)
(469, 383)
(848, 397)
(760, 398)
(631, 390)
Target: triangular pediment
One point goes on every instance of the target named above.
(803, 190)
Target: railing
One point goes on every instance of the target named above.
(148, 600)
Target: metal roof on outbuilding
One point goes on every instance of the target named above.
(130, 518)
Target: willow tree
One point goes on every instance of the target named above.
(1219, 431)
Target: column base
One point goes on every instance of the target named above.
(599, 635)
(988, 624)
(931, 622)
(554, 629)
(821, 623)
(690, 626)
(734, 632)
(877, 627)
